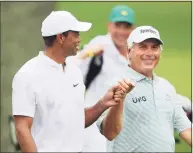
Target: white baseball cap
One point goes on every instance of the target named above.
(58, 22)
(143, 33)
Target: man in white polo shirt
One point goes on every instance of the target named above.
(145, 122)
(48, 91)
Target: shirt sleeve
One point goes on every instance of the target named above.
(181, 121)
(23, 95)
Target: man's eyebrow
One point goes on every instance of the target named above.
(141, 44)
(156, 44)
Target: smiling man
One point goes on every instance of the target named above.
(145, 122)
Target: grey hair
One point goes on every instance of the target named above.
(131, 46)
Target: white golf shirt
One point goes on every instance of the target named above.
(114, 63)
(55, 99)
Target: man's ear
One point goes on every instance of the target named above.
(129, 56)
(129, 53)
(129, 50)
(60, 38)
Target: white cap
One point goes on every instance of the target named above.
(61, 21)
(143, 33)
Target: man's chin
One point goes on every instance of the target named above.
(74, 52)
(148, 67)
(119, 43)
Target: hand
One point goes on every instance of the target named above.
(117, 93)
(126, 86)
(97, 50)
(91, 51)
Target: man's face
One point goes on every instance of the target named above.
(71, 43)
(119, 32)
(145, 56)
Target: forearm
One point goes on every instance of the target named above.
(82, 56)
(186, 136)
(112, 123)
(93, 113)
(26, 141)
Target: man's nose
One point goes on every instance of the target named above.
(78, 39)
(149, 52)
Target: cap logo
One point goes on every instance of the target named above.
(124, 13)
(148, 30)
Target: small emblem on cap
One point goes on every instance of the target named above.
(148, 30)
(124, 13)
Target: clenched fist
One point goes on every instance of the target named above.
(117, 93)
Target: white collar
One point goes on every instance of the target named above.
(138, 76)
(49, 60)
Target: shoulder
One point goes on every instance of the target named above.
(100, 39)
(25, 73)
(166, 84)
(29, 65)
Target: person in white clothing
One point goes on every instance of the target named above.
(48, 91)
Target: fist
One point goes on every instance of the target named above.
(125, 86)
(117, 93)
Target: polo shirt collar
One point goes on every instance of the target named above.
(136, 76)
(49, 61)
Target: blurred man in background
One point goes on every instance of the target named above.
(98, 69)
